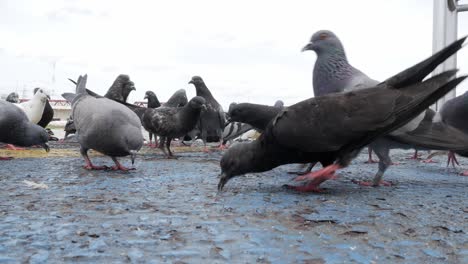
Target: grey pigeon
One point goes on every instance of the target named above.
(212, 120)
(333, 73)
(13, 98)
(105, 126)
(172, 122)
(178, 99)
(47, 115)
(16, 129)
(153, 102)
(332, 129)
(279, 104)
(120, 89)
(454, 113)
(69, 127)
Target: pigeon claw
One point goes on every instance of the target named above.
(322, 175)
(92, 167)
(122, 168)
(371, 161)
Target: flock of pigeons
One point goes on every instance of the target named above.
(349, 111)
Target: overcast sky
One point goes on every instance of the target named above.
(246, 51)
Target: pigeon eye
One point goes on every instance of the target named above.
(323, 36)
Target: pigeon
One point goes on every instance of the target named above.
(104, 125)
(47, 114)
(453, 113)
(333, 128)
(212, 120)
(333, 74)
(172, 122)
(120, 89)
(34, 108)
(279, 104)
(16, 129)
(13, 98)
(234, 130)
(153, 102)
(178, 99)
(69, 127)
(256, 115)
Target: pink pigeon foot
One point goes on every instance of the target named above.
(464, 173)
(428, 161)
(222, 147)
(12, 147)
(415, 156)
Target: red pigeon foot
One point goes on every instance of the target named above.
(464, 173)
(321, 175)
(222, 147)
(306, 188)
(371, 161)
(12, 147)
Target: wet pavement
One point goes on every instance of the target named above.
(169, 211)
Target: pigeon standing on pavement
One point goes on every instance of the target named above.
(333, 74)
(104, 125)
(212, 120)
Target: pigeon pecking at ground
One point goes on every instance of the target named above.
(104, 125)
(332, 129)
(333, 74)
(212, 120)
(16, 129)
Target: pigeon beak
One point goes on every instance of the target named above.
(146, 96)
(46, 147)
(309, 46)
(222, 181)
(203, 107)
(48, 97)
(133, 156)
(133, 88)
(191, 82)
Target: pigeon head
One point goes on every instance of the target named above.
(127, 88)
(197, 102)
(239, 112)
(149, 94)
(240, 158)
(13, 98)
(196, 80)
(324, 41)
(69, 127)
(41, 95)
(34, 135)
(279, 104)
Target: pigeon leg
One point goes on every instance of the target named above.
(150, 135)
(382, 152)
(12, 147)
(464, 173)
(222, 146)
(89, 165)
(415, 156)
(119, 166)
(162, 147)
(370, 160)
(321, 175)
(168, 146)
(307, 170)
(155, 145)
(452, 159)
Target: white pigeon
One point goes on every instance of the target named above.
(35, 107)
